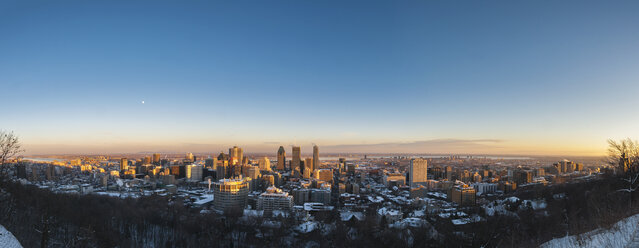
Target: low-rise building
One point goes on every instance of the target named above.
(274, 199)
(463, 195)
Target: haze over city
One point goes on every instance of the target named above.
(495, 77)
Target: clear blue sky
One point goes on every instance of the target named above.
(507, 77)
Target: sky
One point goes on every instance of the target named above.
(472, 77)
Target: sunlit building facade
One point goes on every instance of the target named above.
(281, 158)
(297, 159)
(418, 171)
(316, 159)
(274, 199)
(230, 194)
(265, 164)
(124, 164)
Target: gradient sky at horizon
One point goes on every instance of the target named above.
(479, 77)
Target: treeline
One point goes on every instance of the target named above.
(572, 208)
(40, 218)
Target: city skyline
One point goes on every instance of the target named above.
(433, 147)
(536, 78)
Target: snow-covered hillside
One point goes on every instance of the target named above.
(624, 233)
(7, 240)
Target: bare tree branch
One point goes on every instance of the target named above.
(625, 155)
(9, 147)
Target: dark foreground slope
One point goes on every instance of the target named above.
(36, 216)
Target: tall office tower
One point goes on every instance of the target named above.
(308, 165)
(240, 154)
(564, 166)
(222, 157)
(211, 163)
(265, 164)
(253, 172)
(316, 160)
(307, 173)
(156, 158)
(189, 157)
(222, 169)
(235, 155)
(341, 166)
(296, 161)
(281, 158)
(230, 194)
(124, 164)
(194, 172)
(418, 171)
(236, 170)
(245, 161)
(570, 167)
(146, 160)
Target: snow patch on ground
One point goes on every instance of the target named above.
(307, 227)
(620, 234)
(7, 240)
(502, 206)
(536, 204)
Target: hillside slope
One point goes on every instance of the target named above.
(624, 233)
(7, 240)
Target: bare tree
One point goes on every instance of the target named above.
(9, 147)
(633, 185)
(626, 153)
(618, 149)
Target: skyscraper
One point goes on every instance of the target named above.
(253, 172)
(235, 155)
(418, 171)
(308, 165)
(211, 163)
(281, 158)
(222, 169)
(189, 156)
(265, 164)
(124, 164)
(316, 160)
(295, 162)
(341, 166)
(156, 158)
(194, 172)
(222, 157)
